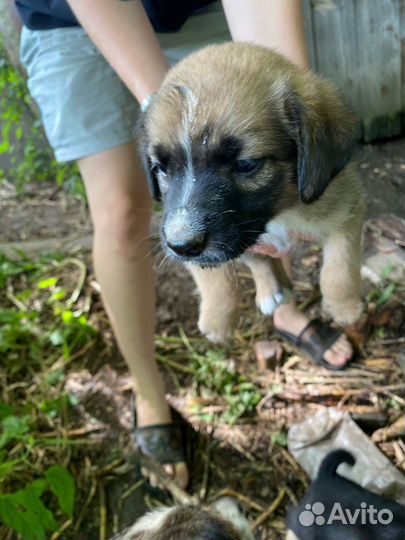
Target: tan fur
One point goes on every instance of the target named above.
(231, 88)
(219, 305)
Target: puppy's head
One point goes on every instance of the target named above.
(236, 135)
(223, 521)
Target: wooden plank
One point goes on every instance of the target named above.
(357, 45)
(379, 67)
(402, 42)
(335, 35)
(309, 32)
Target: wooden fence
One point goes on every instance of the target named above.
(360, 46)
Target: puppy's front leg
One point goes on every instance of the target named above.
(340, 275)
(219, 292)
(269, 278)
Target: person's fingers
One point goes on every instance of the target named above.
(267, 249)
(153, 480)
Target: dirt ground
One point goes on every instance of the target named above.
(249, 458)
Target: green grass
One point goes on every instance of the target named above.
(23, 140)
(42, 326)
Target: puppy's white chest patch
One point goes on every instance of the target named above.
(277, 235)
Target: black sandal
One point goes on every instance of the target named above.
(316, 338)
(162, 442)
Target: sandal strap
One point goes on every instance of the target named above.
(316, 338)
(163, 443)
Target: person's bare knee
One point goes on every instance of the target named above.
(119, 201)
(122, 226)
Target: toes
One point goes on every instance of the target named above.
(169, 469)
(343, 347)
(181, 474)
(334, 359)
(153, 480)
(178, 472)
(340, 352)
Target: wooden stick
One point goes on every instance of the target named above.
(103, 511)
(242, 498)
(270, 511)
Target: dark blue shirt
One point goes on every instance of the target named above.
(165, 15)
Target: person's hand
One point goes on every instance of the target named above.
(268, 250)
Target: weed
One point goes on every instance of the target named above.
(42, 327)
(386, 291)
(25, 512)
(21, 133)
(216, 377)
(280, 439)
(383, 295)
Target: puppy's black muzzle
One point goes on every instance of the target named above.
(189, 245)
(207, 221)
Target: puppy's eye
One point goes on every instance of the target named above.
(158, 167)
(247, 165)
(159, 160)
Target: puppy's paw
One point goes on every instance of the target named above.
(268, 304)
(343, 312)
(216, 328)
(220, 335)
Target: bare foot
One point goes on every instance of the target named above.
(149, 414)
(287, 317)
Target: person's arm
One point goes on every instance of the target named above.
(125, 37)
(277, 24)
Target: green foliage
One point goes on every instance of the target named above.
(387, 290)
(13, 427)
(25, 512)
(214, 375)
(383, 295)
(280, 438)
(62, 485)
(43, 324)
(21, 133)
(39, 322)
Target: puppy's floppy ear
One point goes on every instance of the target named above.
(147, 164)
(323, 129)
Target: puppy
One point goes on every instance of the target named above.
(222, 521)
(335, 508)
(243, 146)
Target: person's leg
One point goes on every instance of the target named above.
(120, 206)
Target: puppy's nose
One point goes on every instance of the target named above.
(188, 246)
